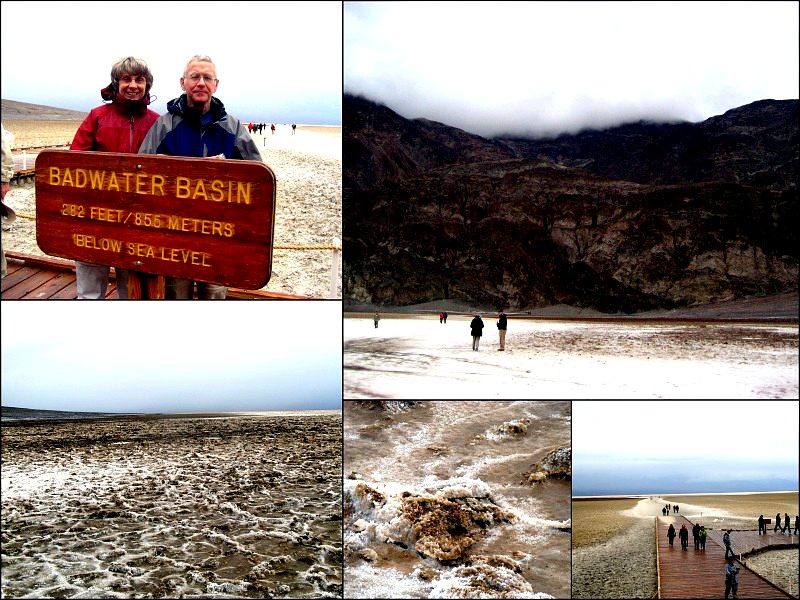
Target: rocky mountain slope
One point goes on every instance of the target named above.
(639, 217)
(16, 111)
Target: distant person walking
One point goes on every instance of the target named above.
(502, 326)
(761, 527)
(441, 318)
(684, 536)
(664, 510)
(696, 536)
(671, 534)
(787, 524)
(476, 327)
(445, 317)
(677, 509)
(777, 522)
(726, 539)
(294, 126)
(796, 523)
(273, 128)
(703, 536)
(731, 578)
(376, 318)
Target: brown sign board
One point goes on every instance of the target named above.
(205, 219)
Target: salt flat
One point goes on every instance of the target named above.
(418, 357)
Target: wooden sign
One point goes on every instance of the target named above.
(205, 219)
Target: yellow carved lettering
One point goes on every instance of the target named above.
(182, 187)
(112, 182)
(128, 181)
(96, 179)
(157, 183)
(141, 180)
(242, 192)
(200, 191)
(67, 180)
(81, 178)
(55, 176)
(216, 188)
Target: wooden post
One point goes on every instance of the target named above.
(144, 286)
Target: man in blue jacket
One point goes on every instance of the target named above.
(196, 124)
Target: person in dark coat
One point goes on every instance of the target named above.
(671, 534)
(476, 327)
(683, 534)
(502, 326)
(777, 522)
(696, 536)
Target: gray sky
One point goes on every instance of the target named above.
(540, 68)
(695, 440)
(172, 356)
(276, 61)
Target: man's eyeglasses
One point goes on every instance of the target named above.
(195, 78)
(139, 80)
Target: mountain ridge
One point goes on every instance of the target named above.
(14, 110)
(644, 216)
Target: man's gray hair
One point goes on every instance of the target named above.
(199, 58)
(131, 66)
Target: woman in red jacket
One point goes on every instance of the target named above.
(116, 127)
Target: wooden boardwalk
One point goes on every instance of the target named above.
(746, 542)
(45, 278)
(701, 574)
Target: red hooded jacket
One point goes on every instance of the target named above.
(114, 128)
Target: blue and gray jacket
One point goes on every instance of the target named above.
(184, 131)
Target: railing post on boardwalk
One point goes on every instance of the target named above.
(334, 267)
(24, 160)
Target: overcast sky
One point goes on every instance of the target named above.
(689, 444)
(172, 356)
(540, 68)
(276, 61)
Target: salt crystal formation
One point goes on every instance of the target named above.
(556, 465)
(246, 506)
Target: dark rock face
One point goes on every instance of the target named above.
(637, 217)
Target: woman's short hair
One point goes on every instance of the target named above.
(131, 66)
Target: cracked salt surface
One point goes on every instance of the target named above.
(246, 506)
(440, 451)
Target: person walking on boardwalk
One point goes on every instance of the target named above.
(703, 535)
(664, 511)
(441, 318)
(796, 523)
(502, 326)
(476, 328)
(726, 539)
(696, 536)
(787, 524)
(376, 318)
(761, 526)
(731, 579)
(445, 317)
(684, 536)
(671, 534)
(777, 522)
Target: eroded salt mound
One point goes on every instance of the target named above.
(557, 464)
